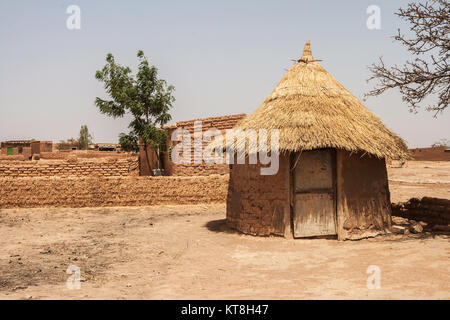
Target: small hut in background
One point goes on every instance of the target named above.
(332, 178)
(27, 148)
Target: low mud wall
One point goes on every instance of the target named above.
(430, 210)
(110, 191)
(200, 170)
(70, 167)
(83, 154)
(12, 158)
(430, 154)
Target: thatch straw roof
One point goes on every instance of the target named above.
(313, 110)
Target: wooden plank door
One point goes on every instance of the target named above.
(314, 194)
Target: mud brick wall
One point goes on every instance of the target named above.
(66, 168)
(54, 155)
(220, 123)
(430, 154)
(82, 154)
(110, 191)
(258, 204)
(12, 158)
(201, 169)
(431, 210)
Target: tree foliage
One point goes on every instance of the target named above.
(146, 97)
(84, 139)
(82, 143)
(128, 143)
(428, 74)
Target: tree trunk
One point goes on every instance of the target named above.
(147, 158)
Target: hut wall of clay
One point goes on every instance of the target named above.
(363, 199)
(259, 204)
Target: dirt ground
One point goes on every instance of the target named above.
(187, 252)
(419, 179)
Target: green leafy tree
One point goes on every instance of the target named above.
(128, 143)
(146, 97)
(85, 138)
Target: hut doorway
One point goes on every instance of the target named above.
(314, 182)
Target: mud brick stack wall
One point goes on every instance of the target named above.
(220, 123)
(201, 169)
(110, 191)
(55, 155)
(257, 204)
(82, 154)
(431, 210)
(12, 158)
(66, 168)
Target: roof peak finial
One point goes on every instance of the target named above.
(307, 54)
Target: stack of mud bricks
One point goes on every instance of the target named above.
(196, 169)
(61, 168)
(431, 210)
(201, 169)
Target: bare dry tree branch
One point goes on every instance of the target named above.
(428, 75)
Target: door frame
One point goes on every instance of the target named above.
(293, 162)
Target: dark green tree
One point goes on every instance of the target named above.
(85, 138)
(128, 142)
(146, 97)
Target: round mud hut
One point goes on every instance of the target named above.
(331, 178)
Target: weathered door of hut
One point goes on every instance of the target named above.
(314, 194)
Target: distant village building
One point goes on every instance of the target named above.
(27, 148)
(148, 158)
(332, 178)
(66, 146)
(105, 147)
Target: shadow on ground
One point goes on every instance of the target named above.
(220, 226)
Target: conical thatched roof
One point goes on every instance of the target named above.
(313, 110)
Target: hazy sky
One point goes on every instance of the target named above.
(223, 57)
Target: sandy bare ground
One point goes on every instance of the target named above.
(420, 179)
(187, 252)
